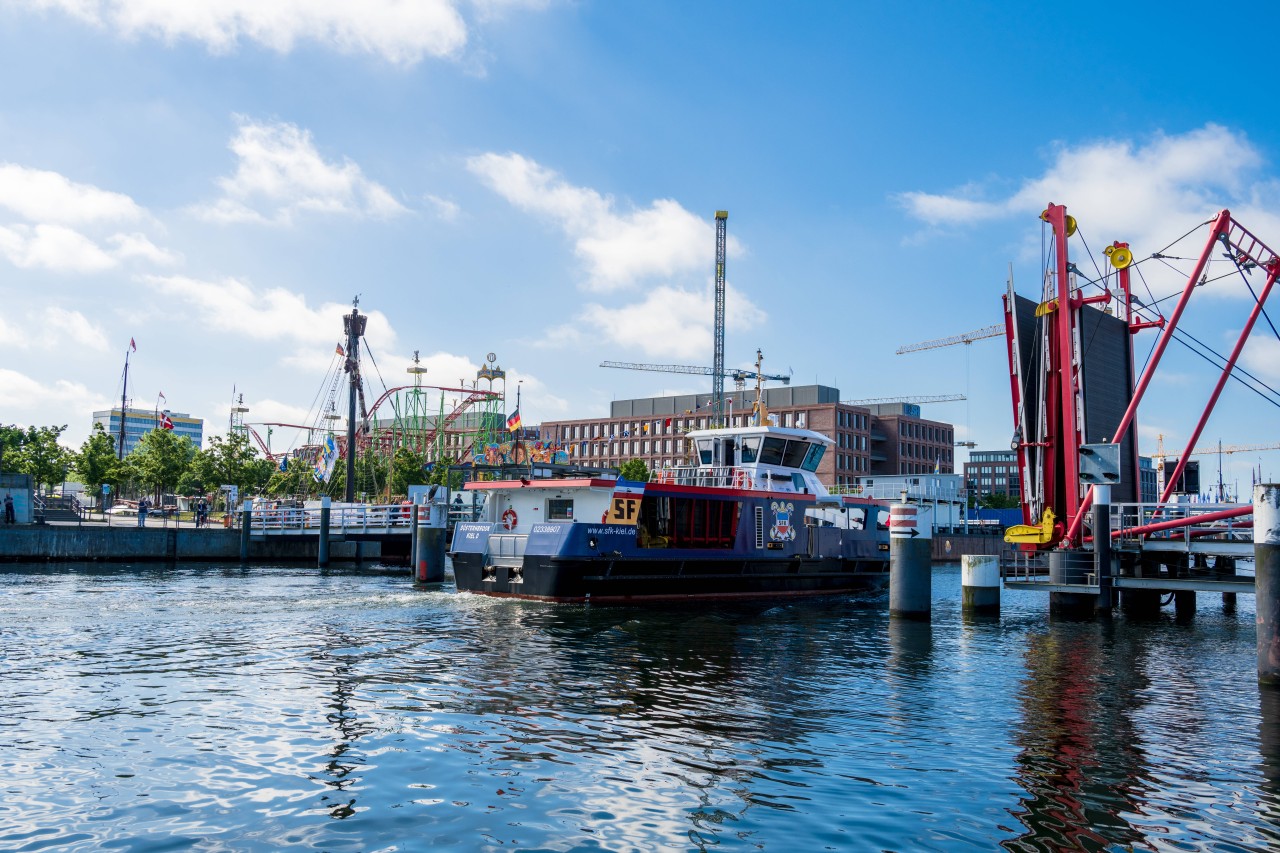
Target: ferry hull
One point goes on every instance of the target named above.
(605, 581)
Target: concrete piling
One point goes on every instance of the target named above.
(429, 547)
(910, 564)
(322, 548)
(980, 584)
(1266, 558)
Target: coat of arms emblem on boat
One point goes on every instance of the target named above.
(782, 529)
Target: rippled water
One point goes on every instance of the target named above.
(149, 708)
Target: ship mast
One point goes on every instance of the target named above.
(353, 324)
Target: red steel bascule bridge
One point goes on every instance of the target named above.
(1075, 402)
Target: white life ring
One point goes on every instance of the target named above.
(510, 519)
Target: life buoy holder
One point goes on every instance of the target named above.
(510, 519)
(741, 479)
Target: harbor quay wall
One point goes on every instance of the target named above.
(59, 543)
(953, 546)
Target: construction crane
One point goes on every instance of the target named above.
(717, 363)
(937, 398)
(740, 377)
(966, 338)
(1159, 456)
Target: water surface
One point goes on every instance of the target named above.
(209, 708)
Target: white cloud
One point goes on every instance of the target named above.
(275, 314)
(445, 210)
(53, 247)
(1147, 194)
(1261, 356)
(139, 246)
(20, 393)
(40, 196)
(281, 174)
(1117, 186)
(51, 204)
(618, 248)
(670, 322)
(399, 32)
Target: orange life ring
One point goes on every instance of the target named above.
(509, 519)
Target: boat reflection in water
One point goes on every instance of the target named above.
(1113, 718)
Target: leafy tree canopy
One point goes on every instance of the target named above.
(96, 462)
(634, 469)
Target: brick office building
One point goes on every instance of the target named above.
(885, 439)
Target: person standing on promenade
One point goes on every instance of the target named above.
(9, 517)
(142, 512)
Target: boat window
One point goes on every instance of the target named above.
(772, 451)
(671, 522)
(704, 451)
(727, 455)
(814, 457)
(882, 519)
(750, 449)
(560, 509)
(857, 517)
(795, 453)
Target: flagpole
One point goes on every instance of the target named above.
(124, 395)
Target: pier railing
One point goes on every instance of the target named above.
(1210, 528)
(366, 518)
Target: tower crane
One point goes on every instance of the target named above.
(739, 376)
(965, 338)
(717, 364)
(937, 398)
(1207, 450)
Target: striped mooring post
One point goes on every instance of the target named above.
(980, 584)
(910, 564)
(1266, 559)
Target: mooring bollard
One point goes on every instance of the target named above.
(1266, 565)
(428, 557)
(246, 526)
(322, 548)
(980, 584)
(910, 564)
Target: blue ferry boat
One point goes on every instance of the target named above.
(750, 520)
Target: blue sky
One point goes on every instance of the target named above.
(217, 178)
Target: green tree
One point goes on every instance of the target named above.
(297, 479)
(96, 462)
(440, 475)
(11, 440)
(408, 469)
(635, 470)
(160, 459)
(229, 461)
(998, 500)
(42, 456)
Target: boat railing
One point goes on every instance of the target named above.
(724, 477)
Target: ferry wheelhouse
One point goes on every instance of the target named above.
(749, 520)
